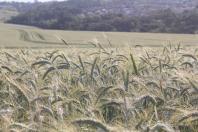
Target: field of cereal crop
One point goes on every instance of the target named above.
(12, 36)
(111, 85)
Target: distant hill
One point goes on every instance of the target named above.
(10, 9)
(134, 7)
(130, 7)
(6, 13)
(175, 16)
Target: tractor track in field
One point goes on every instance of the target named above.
(37, 38)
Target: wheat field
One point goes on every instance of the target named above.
(15, 36)
(110, 90)
(66, 81)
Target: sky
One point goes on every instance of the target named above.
(29, 0)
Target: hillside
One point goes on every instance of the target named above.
(11, 9)
(7, 13)
(16, 36)
(134, 7)
(178, 16)
(130, 7)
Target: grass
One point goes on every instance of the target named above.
(102, 89)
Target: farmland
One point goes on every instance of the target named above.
(23, 36)
(59, 81)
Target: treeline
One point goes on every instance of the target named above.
(18, 6)
(59, 15)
